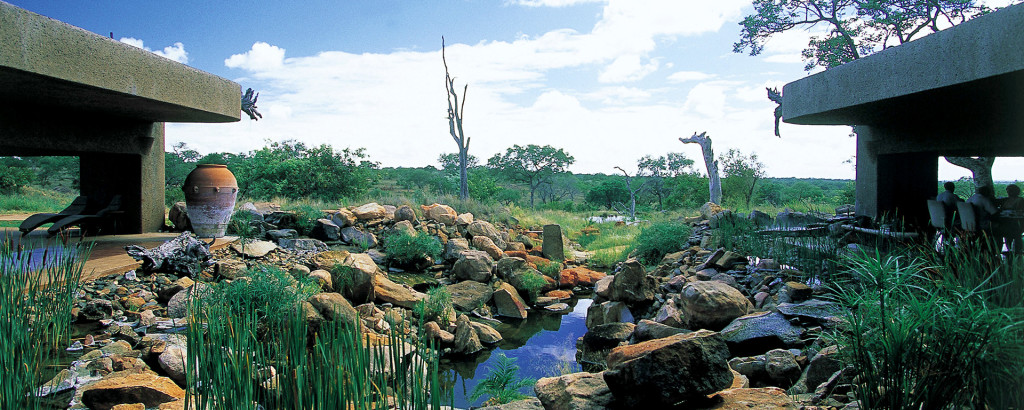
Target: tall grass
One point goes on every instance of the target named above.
(33, 200)
(931, 336)
(812, 255)
(36, 298)
(237, 358)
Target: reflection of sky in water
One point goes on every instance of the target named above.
(540, 357)
(33, 257)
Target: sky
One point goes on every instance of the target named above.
(608, 81)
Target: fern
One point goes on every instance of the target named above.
(503, 383)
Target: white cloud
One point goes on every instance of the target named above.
(619, 95)
(261, 57)
(627, 68)
(174, 52)
(553, 3)
(684, 76)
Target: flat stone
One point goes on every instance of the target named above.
(760, 332)
(469, 295)
(253, 249)
(128, 388)
(574, 391)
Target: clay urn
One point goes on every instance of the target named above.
(210, 193)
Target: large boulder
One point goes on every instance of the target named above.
(765, 398)
(332, 306)
(608, 335)
(172, 361)
(485, 333)
(574, 391)
(711, 304)
(354, 278)
(129, 388)
(632, 285)
(387, 291)
(343, 218)
(607, 312)
(487, 245)
(178, 215)
(466, 339)
(650, 330)
(474, 265)
(369, 211)
(578, 276)
(405, 213)
(822, 366)
(508, 303)
(357, 236)
(469, 295)
(760, 332)
(439, 213)
(325, 230)
(484, 228)
(663, 372)
(710, 209)
(454, 248)
(552, 247)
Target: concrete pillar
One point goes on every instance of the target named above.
(893, 185)
(137, 177)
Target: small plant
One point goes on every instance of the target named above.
(404, 249)
(550, 269)
(305, 218)
(502, 383)
(267, 290)
(531, 283)
(437, 306)
(241, 224)
(659, 239)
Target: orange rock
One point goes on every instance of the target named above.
(746, 399)
(579, 276)
(129, 388)
(561, 294)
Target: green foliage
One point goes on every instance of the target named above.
(36, 298)
(241, 224)
(740, 175)
(408, 250)
(687, 190)
(659, 239)
(268, 291)
(608, 193)
(502, 383)
(32, 199)
(918, 338)
(437, 306)
(550, 269)
(531, 283)
(305, 217)
(532, 165)
(13, 178)
(291, 169)
(856, 28)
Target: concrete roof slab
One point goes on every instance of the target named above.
(972, 69)
(51, 64)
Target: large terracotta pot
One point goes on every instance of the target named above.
(210, 193)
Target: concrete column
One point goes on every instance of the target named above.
(893, 185)
(138, 178)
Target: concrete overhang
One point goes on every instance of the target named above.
(55, 66)
(966, 77)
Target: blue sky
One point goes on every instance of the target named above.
(607, 80)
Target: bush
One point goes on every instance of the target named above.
(550, 269)
(409, 250)
(269, 290)
(531, 283)
(13, 178)
(659, 239)
(305, 218)
(437, 306)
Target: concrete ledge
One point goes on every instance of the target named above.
(984, 54)
(48, 63)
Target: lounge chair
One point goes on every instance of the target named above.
(78, 220)
(31, 223)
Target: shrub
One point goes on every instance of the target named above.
(659, 239)
(408, 250)
(305, 218)
(502, 383)
(550, 269)
(269, 291)
(241, 224)
(437, 306)
(531, 283)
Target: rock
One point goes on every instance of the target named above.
(529, 403)
(766, 398)
(135, 406)
(403, 227)
(326, 230)
(466, 339)
(95, 310)
(557, 307)
(487, 245)
(726, 279)
(332, 306)
(768, 264)
(815, 309)
(230, 268)
(603, 286)
(822, 366)
(579, 276)
(675, 284)
(387, 291)
(179, 217)
(650, 330)
(276, 235)
(303, 244)
(469, 295)
(508, 303)
(559, 294)
(576, 391)
(726, 260)
(355, 277)
(355, 236)
(178, 305)
(324, 279)
(473, 265)
(299, 270)
(608, 335)
(484, 228)
(509, 266)
(405, 213)
(147, 318)
(454, 248)
(710, 209)
(129, 388)
(632, 285)
(759, 332)
(172, 361)
(464, 219)
(663, 372)
(552, 247)
(795, 292)
(607, 312)
(485, 333)
(711, 305)
(782, 367)
(760, 219)
(439, 213)
(670, 315)
(434, 332)
(789, 218)
(370, 211)
(253, 249)
(343, 218)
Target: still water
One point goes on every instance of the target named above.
(541, 345)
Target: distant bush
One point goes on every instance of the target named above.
(13, 178)
(659, 239)
(404, 249)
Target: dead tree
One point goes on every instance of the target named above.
(714, 181)
(455, 111)
(619, 206)
(773, 94)
(981, 168)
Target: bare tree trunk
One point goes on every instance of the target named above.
(981, 168)
(455, 111)
(632, 193)
(714, 181)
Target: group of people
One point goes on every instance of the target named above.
(987, 211)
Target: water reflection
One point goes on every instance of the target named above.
(541, 344)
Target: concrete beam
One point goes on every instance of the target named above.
(48, 63)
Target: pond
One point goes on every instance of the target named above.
(542, 345)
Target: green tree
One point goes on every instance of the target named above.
(607, 193)
(741, 174)
(657, 170)
(291, 169)
(532, 165)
